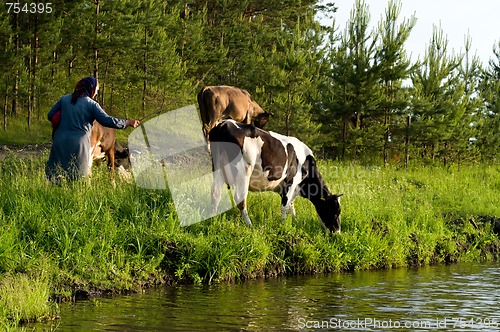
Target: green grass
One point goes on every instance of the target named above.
(91, 238)
(25, 298)
(18, 133)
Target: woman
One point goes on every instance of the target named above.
(70, 152)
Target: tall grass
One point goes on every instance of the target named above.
(18, 133)
(91, 238)
(24, 298)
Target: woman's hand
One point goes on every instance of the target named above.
(132, 123)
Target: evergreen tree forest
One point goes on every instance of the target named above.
(350, 93)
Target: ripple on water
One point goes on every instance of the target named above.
(447, 295)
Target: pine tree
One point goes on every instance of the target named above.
(465, 130)
(354, 92)
(393, 68)
(336, 107)
(293, 73)
(436, 107)
(488, 122)
(7, 58)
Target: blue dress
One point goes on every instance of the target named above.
(70, 152)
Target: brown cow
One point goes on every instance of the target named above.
(103, 144)
(228, 102)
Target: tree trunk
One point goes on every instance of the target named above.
(386, 137)
(344, 137)
(70, 66)
(407, 141)
(5, 107)
(30, 87)
(33, 96)
(145, 68)
(54, 63)
(103, 89)
(288, 114)
(96, 48)
(445, 158)
(32, 71)
(390, 98)
(15, 91)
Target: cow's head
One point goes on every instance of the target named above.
(261, 119)
(122, 158)
(329, 212)
(258, 116)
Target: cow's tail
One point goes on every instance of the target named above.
(205, 117)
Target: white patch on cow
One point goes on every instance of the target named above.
(98, 151)
(235, 124)
(301, 149)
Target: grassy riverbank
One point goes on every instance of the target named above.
(79, 240)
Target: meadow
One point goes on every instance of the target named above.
(79, 240)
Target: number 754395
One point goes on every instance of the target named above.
(29, 7)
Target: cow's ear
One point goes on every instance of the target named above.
(333, 197)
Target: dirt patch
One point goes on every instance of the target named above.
(30, 150)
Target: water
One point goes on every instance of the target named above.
(463, 297)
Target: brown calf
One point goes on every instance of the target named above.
(103, 144)
(228, 102)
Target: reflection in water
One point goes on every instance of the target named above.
(446, 297)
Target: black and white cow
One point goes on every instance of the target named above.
(248, 158)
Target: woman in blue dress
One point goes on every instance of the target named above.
(70, 152)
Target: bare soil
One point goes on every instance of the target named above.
(30, 150)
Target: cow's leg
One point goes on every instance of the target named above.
(111, 161)
(284, 202)
(288, 195)
(110, 157)
(292, 211)
(243, 208)
(286, 209)
(206, 131)
(241, 192)
(217, 185)
(283, 212)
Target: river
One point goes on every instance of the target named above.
(463, 297)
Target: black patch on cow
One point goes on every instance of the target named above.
(312, 186)
(329, 210)
(283, 193)
(222, 156)
(228, 131)
(273, 155)
(122, 153)
(293, 163)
